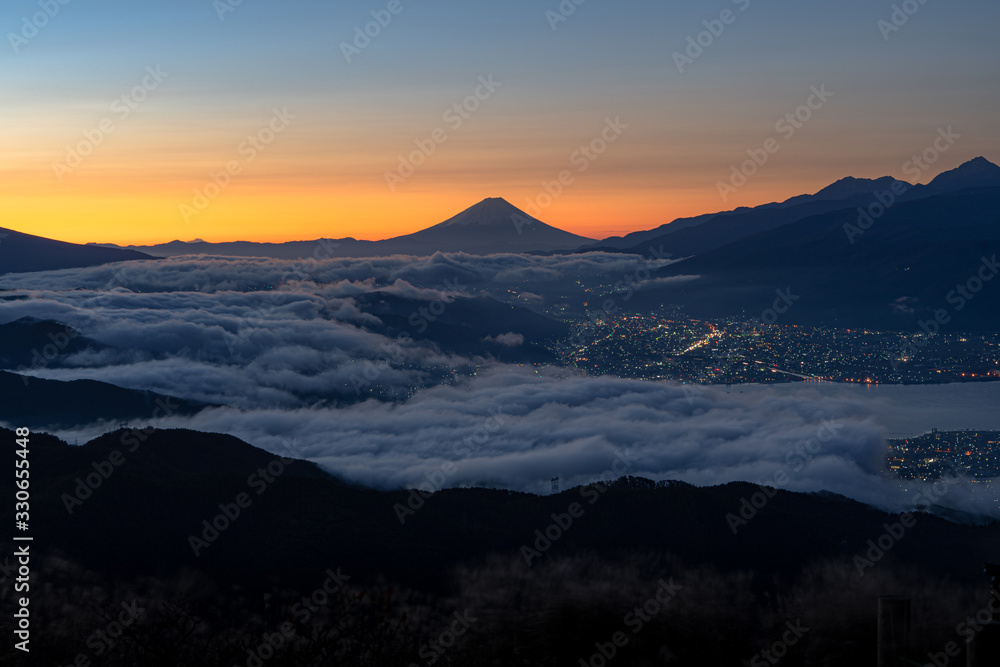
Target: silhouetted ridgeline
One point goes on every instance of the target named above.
(21, 252)
(926, 250)
(129, 516)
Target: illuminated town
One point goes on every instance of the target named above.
(970, 454)
(669, 346)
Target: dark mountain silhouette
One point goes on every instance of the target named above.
(697, 235)
(221, 543)
(312, 519)
(978, 172)
(32, 343)
(643, 237)
(901, 267)
(847, 188)
(491, 226)
(740, 224)
(316, 249)
(30, 401)
(20, 253)
(728, 225)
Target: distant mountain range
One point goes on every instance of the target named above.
(689, 236)
(492, 226)
(911, 262)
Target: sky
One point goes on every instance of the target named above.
(144, 122)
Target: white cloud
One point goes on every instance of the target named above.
(280, 345)
(509, 339)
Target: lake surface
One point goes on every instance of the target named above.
(907, 410)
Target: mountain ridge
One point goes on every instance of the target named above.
(976, 172)
(22, 253)
(848, 192)
(492, 225)
(850, 279)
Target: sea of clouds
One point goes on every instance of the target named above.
(266, 340)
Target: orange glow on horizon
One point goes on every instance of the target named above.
(318, 179)
(134, 217)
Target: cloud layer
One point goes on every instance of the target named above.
(280, 345)
(511, 428)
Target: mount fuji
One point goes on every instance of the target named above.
(493, 225)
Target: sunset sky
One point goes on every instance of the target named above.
(212, 75)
